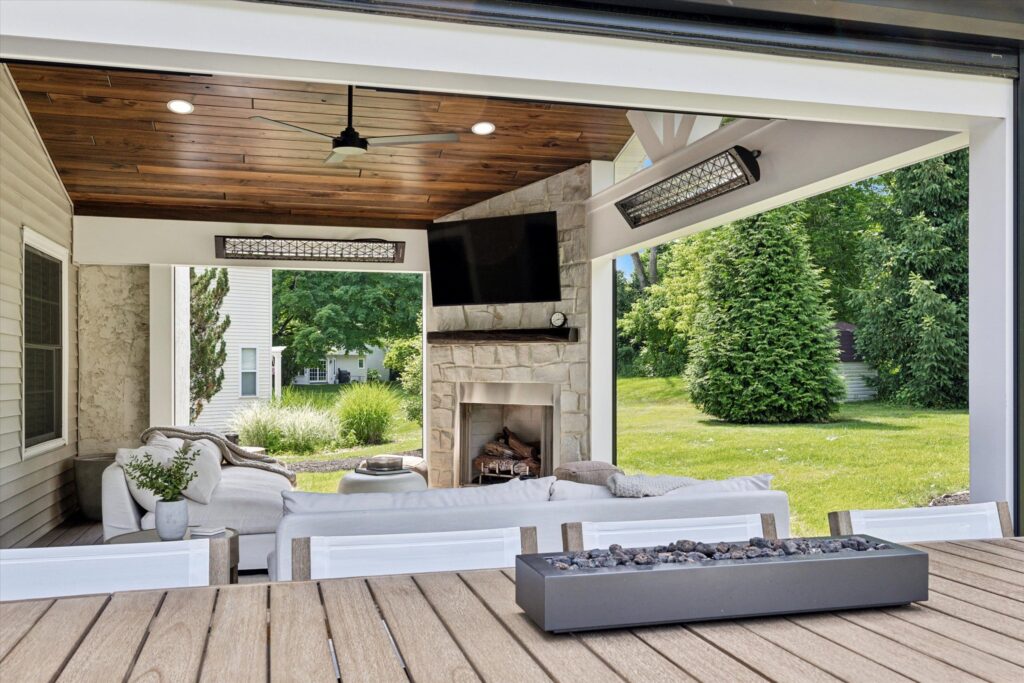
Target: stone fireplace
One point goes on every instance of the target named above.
(530, 411)
(475, 385)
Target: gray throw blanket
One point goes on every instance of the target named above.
(233, 454)
(643, 485)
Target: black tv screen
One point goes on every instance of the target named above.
(506, 260)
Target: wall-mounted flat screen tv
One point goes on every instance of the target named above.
(506, 260)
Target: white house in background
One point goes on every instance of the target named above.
(248, 371)
(357, 364)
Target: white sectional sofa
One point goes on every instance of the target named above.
(542, 503)
(246, 499)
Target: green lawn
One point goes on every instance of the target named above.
(319, 482)
(874, 455)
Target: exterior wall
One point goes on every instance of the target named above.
(561, 364)
(349, 361)
(113, 331)
(249, 302)
(37, 493)
(857, 376)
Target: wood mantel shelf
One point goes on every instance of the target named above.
(520, 336)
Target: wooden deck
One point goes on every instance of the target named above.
(74, 531)
(466, 627)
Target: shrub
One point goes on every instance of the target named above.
(373, 375)
(412, 384)
(764, 348)
(259, 424)
(368, 411)
(322, 396)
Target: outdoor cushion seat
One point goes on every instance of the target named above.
(247, 500)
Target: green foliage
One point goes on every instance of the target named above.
(912, 321)
(412, 384)
(317, 311)
(373, 375)
(368, 411)
(289, 428)
(321, 396)
(208, 349)
(658, 326)
(400, 351)
(166, 481)
(764, 349)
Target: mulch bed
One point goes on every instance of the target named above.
(958, 498)
(340, 464)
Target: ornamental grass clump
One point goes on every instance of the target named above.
(166, 481)
(368, 411)
(307, 429)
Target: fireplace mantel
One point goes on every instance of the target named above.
(545, 335)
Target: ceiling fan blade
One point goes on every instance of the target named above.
(412, 139)
(282, 124)
(335, 158)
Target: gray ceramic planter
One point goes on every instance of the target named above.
(171, 519)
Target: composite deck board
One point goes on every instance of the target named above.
(425, 645)
(564, 659)
(298, 639)
(481, 636)
(237, 647)
(109, 649)
(466, 627)
(353, 618)
(174, 648)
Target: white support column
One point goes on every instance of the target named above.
(161, 346)
(602, 328)
(182, 345)
(991, 248)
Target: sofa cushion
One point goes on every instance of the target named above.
(207, 466)
(586, 472)
(514, 491)
(247, 500)
(208, 471)
(756, 482)
(570, 490)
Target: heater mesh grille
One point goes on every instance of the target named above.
(285, 249)
(710, 178)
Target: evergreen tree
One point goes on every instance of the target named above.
(764, 349)
(912, 322)
(208, 348)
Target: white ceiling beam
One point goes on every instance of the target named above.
(798, 159)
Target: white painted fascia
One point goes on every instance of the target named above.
(272, 41)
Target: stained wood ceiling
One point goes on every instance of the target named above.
(120, 152)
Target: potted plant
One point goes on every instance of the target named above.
(166, 481)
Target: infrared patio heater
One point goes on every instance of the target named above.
(730, 170)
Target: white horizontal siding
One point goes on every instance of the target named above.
(350, 361)
(249, 303)
(857, 377)
(38, 493)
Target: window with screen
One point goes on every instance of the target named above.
(43, 347)
(362, 363)
(249, 374)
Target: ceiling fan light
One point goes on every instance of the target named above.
(345, 151)
(181, 106)
(483, 128)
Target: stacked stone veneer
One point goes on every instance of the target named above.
(562, 364)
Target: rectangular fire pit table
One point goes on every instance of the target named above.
(560, 600)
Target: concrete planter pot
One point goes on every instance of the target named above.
(171, 519)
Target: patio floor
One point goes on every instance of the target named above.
(466, 626)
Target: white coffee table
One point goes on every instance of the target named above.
(355, 482)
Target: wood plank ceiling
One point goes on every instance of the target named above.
(120, 152)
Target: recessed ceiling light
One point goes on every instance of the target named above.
(483, 128)
(180, 107)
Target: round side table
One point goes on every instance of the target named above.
(355, 482)
(223, 550)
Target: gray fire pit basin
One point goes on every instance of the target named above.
(617, 597)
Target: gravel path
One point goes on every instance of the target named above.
(340, 464)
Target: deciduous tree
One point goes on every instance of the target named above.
(208, 351)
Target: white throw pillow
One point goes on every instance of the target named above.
(571, 490)
(208, 473)
(514, 491)
(161, 454)
(756, 482)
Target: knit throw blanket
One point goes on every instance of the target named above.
(643, 485)
(233, 454)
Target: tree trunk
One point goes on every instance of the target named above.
(652, 266)
(638, 268)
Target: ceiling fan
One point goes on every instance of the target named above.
(350, 143)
